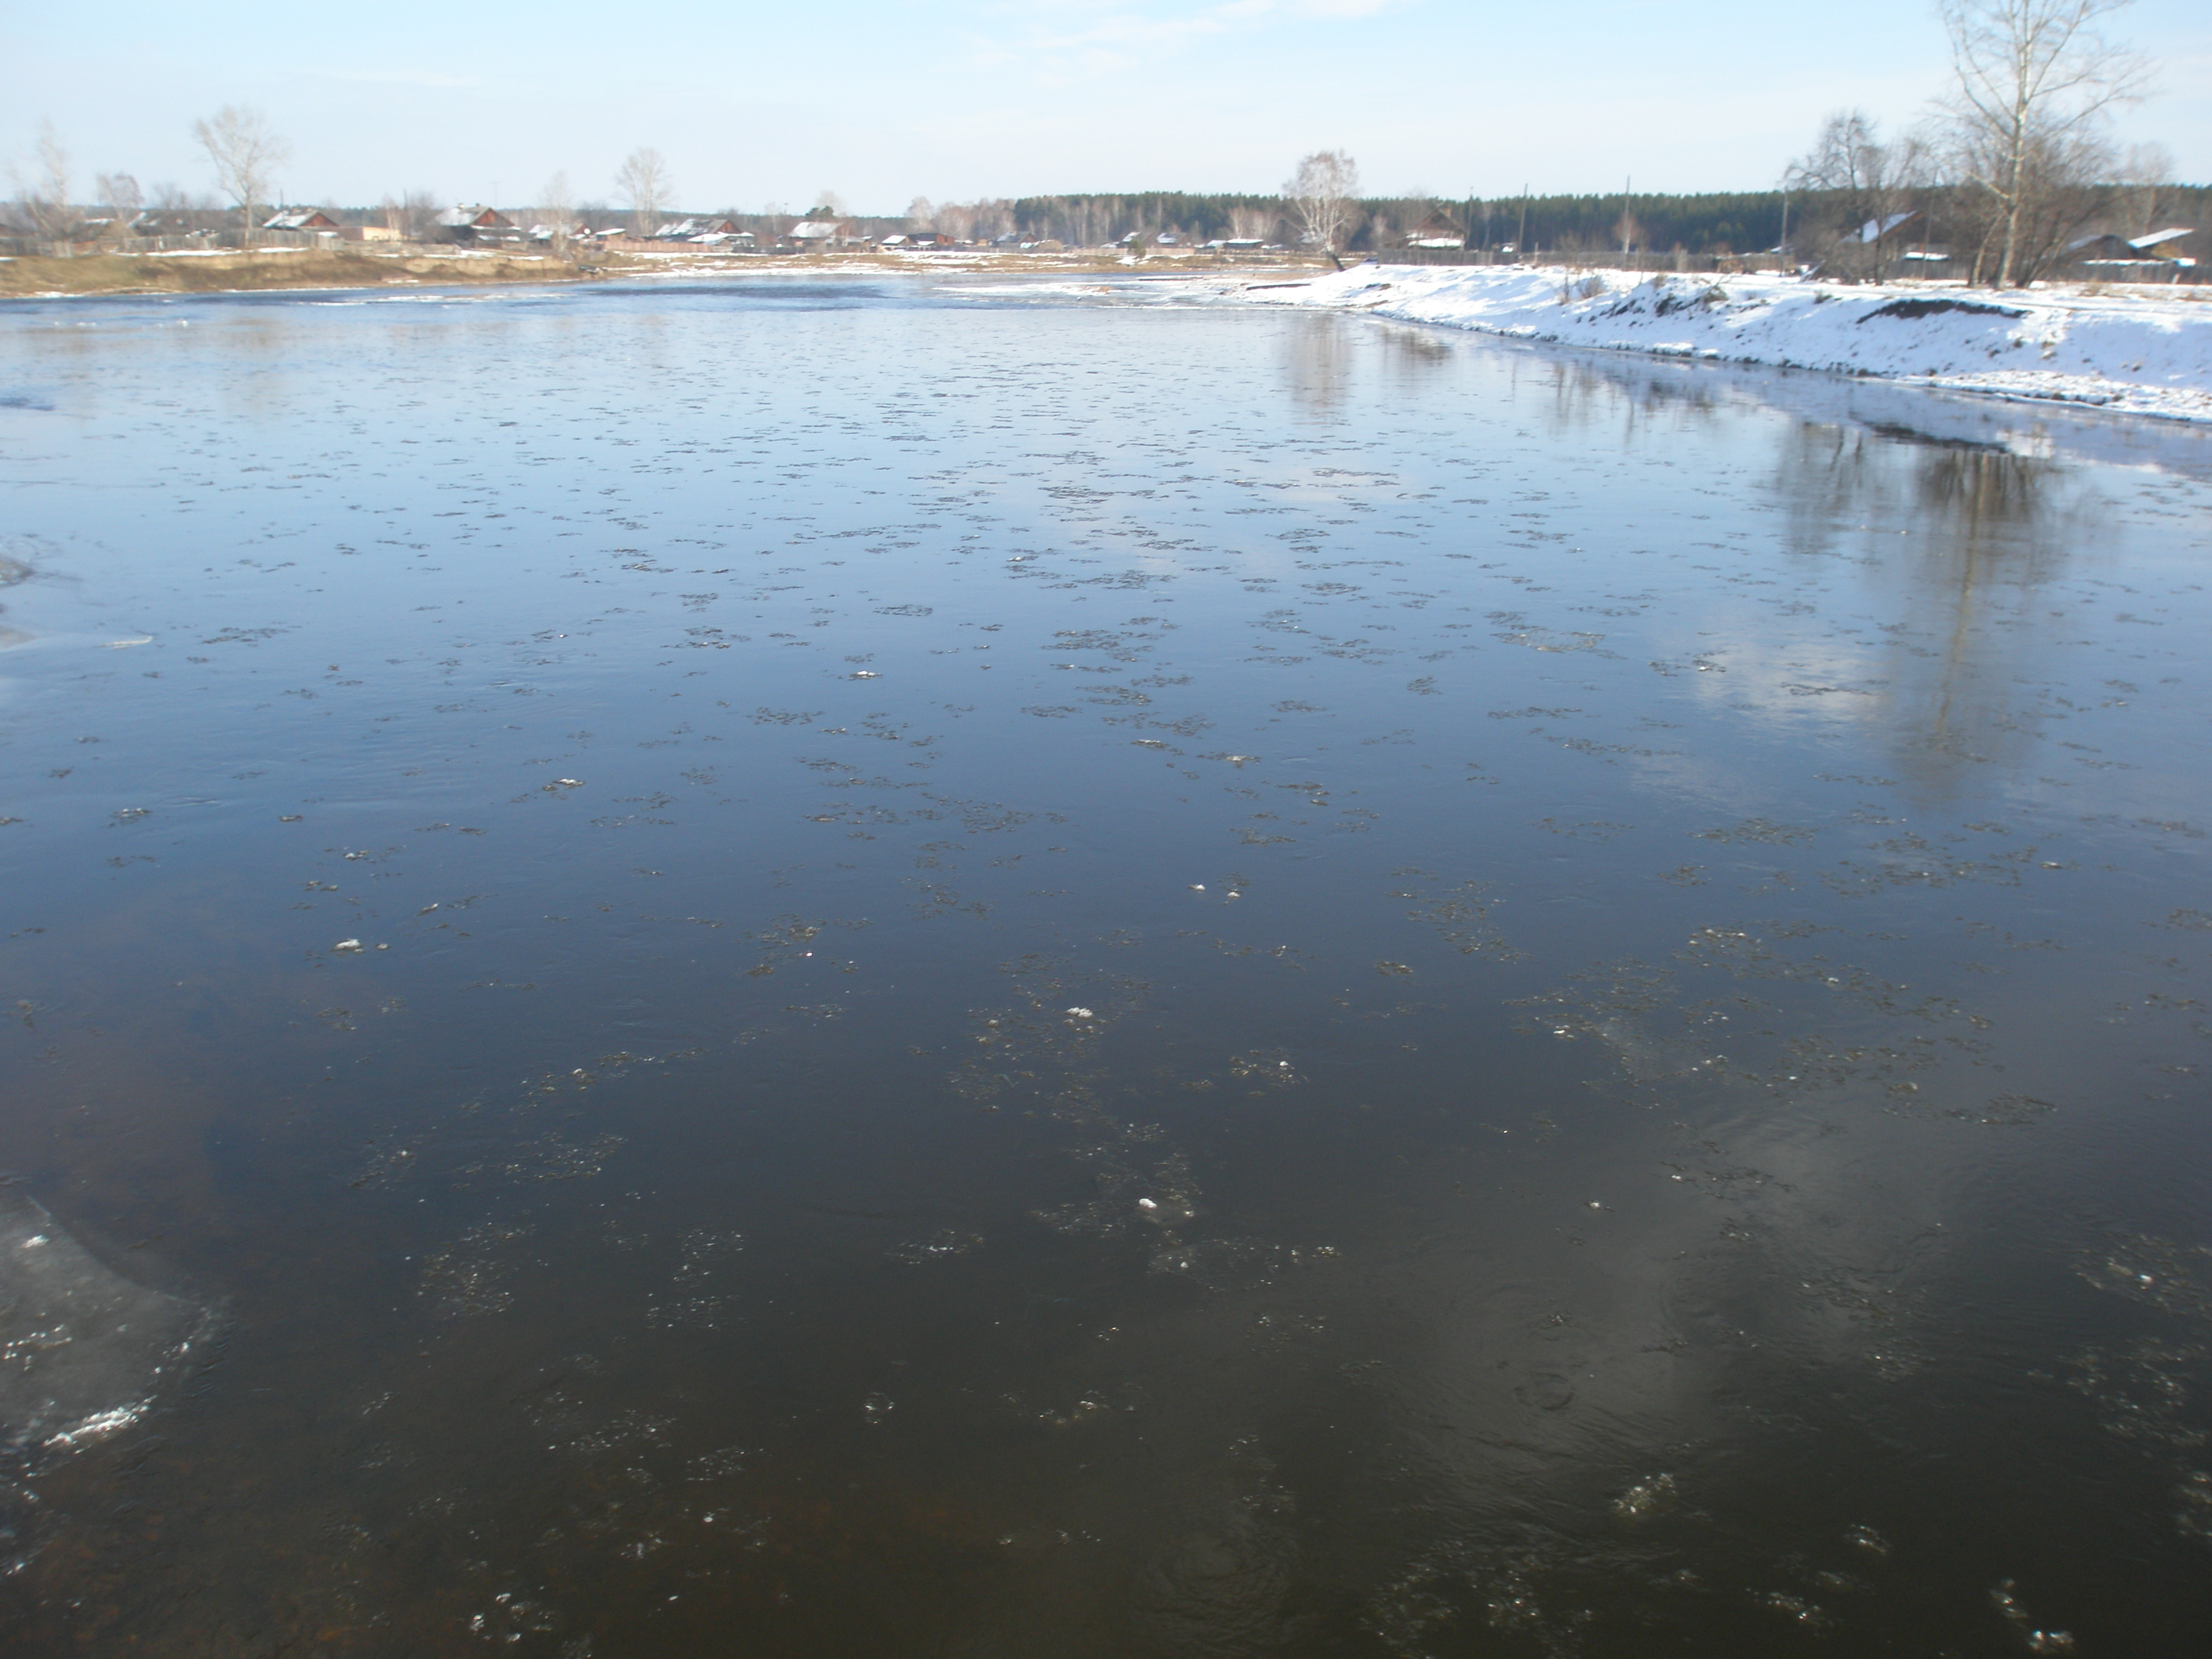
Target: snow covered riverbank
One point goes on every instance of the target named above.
(2133, 353)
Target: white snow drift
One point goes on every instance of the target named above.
(2134, 352)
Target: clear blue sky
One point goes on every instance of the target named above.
(882, 101)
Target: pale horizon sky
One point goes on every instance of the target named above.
(881, 102)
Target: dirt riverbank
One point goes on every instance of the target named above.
(157, 273)
(273, 269)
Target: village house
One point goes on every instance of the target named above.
(313, 219)
(693, 230)
(1438, 230)
(468, 226)
(820, 229)
(2156, 256)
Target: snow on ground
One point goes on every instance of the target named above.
(2133, 352)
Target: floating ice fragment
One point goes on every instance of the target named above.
(346, 946)
(1148, 1204)
(1198, 887)
(288, 817)
(1081, 1013)
(98, 1427)
(124, 645)
(85, 1348)
(1644, 1497)
(877, 1407)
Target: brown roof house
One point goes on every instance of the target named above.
(2156, 255)
(821, 228)
(692, 230)
(467, 225)
(1437, 230)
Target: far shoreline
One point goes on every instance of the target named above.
(278, 271)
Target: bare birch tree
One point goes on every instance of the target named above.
(1859, 181)
(46, 198)
(645, 184)
(1253, 224)
(2032, 81)
(557, 214)
(245, 154)
(1321, 194)
(418, 211)
(120, 191)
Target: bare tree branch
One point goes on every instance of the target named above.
(557, 214)
(644, 182)
(46, 200)
(2032, 83)
(245, 154)
(124, 199)
(1321, 194)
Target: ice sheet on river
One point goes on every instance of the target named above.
(83, 1350)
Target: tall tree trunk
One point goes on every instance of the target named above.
(2017, 172)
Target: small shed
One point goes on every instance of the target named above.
(300, 219)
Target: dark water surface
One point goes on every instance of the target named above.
(846, 970)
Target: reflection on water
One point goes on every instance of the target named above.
(1972, 533)
(1178, 983)
(1318, 352)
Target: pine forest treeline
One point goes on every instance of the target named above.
(1716, 222)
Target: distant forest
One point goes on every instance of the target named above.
(1728, 223)
(1723, 223)
(1737, 221)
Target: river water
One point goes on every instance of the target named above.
(899, 969)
